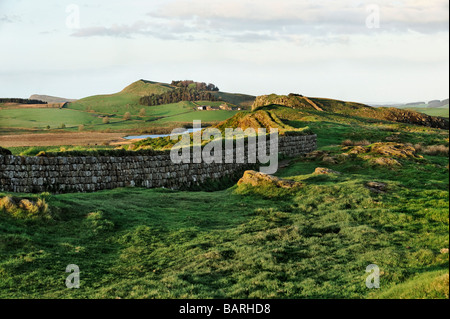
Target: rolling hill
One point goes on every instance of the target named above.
(50, 99)
(127, 100)
(392, 114)
(433, 108)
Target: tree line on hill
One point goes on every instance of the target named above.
(21, 101)
(177, 95)
(199, 86)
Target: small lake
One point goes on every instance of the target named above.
(190, 130)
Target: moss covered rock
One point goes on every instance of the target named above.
(255, 178)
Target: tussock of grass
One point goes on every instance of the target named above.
(23, 208)
(429, 285)
(432, 149)
(349, 142)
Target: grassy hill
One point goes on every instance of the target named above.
(302, 103)
(432, 111)
(50, 99)
(240, 242)
(124, 101)
(127, 100)
(90, 111)
(243, 100)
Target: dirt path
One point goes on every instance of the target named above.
(55, 139)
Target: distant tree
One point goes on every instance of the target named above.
(21, 101)
(142, 112)
(189, 93)
(48, 127)
(127, 116)
(105, 120)
(63, 125)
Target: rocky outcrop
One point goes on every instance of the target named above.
(392, 114)
(255, 178)
(325, 171)
(294, 101)
(412, 117)
(391, 149)
(376, 187)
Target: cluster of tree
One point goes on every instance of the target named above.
(177, 95)
(199, 86)
(21, 101)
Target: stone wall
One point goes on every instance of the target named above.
(89, 173)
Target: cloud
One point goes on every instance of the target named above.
(9, 18)
(306, 16)
(327, 21)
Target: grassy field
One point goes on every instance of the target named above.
(40, 118)
(155, 116)
(433, 111)
(90, 111)
(245, 242)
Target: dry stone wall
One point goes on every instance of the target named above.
(89, 173)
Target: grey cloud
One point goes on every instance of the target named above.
(263, 20)
(9, 18)
(306, 17)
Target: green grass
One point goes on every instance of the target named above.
(204, 116)
(40, 118)
(433, 284)
(34, 150)
(312, 243)
(242, 100)
(433, 111)
(118, 103)
(168, 115)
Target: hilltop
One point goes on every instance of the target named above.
(299, 102)
(50, 99)
(144, 87)
(127, 100)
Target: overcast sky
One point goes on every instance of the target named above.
(365, 51)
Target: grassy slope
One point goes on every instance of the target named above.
(433, 111)
(87, 111)
(40, 118)
(315, 243)
(242, 100)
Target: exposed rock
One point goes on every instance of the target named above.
(385, 161)
(325, 171)
(329, 160)
(393, 138)
(444, 251)
(358, 150)
(316, 155)
(413, 117)
(295, 101)
(377, 187)
(255, 178)
(391, 149)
